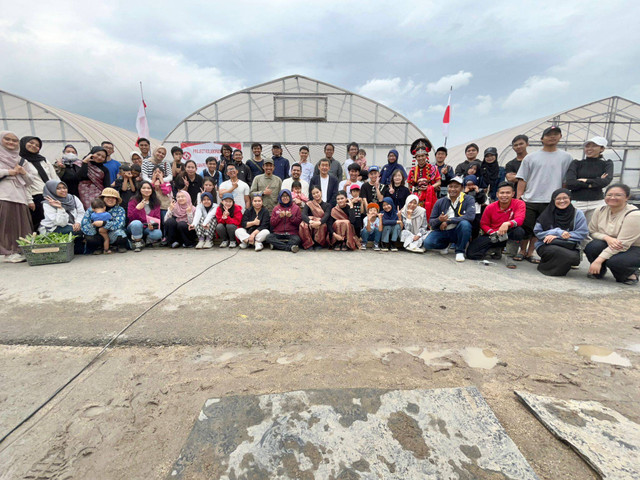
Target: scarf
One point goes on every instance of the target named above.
(180, 211)
(457, 205)
(210, 197)
(288, 192)
(554, 217)
(391, 214)
(9, 159)
(316, 209)
(33, 158)
(68, 202)
(418, 216)
(490, 172)
(390, 168)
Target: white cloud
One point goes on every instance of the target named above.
(388, 90)
(436, 108)
(455, 80)
(484, 105)
(534, 90)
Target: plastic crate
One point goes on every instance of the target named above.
(48, 253)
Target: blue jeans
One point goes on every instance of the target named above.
(78, 242)
(374, 235)
(392, 231)
(137, 231)
(439, 239)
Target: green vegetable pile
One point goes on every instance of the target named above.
(46, 239)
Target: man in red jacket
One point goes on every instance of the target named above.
(501, 221)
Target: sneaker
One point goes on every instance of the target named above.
(460, 257)
(295, 249)
(137, 246)
(394, 249)
(259, 246)
(200, 244)
(208, 244)
(224, 244)
(15, 258)
(175, 244)
(243, 245)
(149, 242)
(376, 247)
(271, 246)
(363, 246)
(384, 248)
(414, 249)
(444, 251)
(233, 244)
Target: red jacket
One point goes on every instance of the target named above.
(493, 217)
(235, 220)
(134, 214)
(288, 225)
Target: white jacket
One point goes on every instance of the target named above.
(58, 217)
(202, 213)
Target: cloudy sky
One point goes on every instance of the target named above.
(509, 62)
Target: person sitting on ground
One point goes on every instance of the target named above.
(615, 229)
(313, 230)
(177, 167)
(559, 230)
(190, 181)
(164, 193)
(491, 173)
(451, 221)
(158, 159)
(125, 184)
(228, 218)
(268, 185)
(501, 223)
(67, 168)
(254, 225)
(204, 220)
(353, 172)
(327, 183)
(285, 223)
(343, 236)
(424, 180)
(393, 164)
(93, 176)
(471, 188)
(115, 227)
(471, 152)
(372, 227)
(178, 220)
(136, 158)
(62, 212)
(358, 206)
(238, 188)
(100, 214)
(143, 211)
(391, 220)
(299, 198)
(415, 225)
(397, 189)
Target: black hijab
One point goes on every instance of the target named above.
(33, 158)
(490, 172)
(553, 217)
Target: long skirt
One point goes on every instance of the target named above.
(309, 235)
(556, 261)
(15, 222)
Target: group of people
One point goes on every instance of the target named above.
(542, 202)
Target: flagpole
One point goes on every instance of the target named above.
(448, 107)
(142, 97)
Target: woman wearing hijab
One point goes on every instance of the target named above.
(285, 223)
(315, 215)
(391, 225)
(67, 169)
(393, 164)
(115, 227)
(178, 220)
(229, 217)
(15, 218)
(416, 226)
(62, 212)
(560, 229)
(491, 173)
(204, 220)
(342, 232)
(93, 176)
(158, 160)
(30, 151)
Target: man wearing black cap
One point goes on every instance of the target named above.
(280, 164)
(540, 174)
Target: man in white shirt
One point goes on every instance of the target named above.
(305, 165)
(353, 173)
(235, 186)
(352, 151)
(296, 174)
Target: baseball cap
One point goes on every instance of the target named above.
(374, 168)
(600, 141)
(268, 160)
(355, 186)
(457, 179)
(553, 129)
(276, 145)
(227, 195)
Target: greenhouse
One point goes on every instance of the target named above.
(296, 111)
(58, 128)
(615, 118)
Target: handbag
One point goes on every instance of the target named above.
(568, 244)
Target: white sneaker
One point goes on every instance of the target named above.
(224, 244)
(444, 251)
(243, 245)
(207, 244)
(259, 246)
(233, 245)
(414, 249)
(459, 257)
(200, 244)
(15, 258)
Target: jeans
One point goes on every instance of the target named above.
(78, 241)
(374, 235)
(391, 232)
(439, 239)
(137, 231)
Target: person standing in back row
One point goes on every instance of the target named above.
(519, 145)
(540, 174)
(280, 164)
(335, 168)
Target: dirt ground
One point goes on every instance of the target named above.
(275, 322)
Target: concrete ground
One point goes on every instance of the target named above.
(274, 322)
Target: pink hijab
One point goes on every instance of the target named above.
(179, 211)
(10, 158)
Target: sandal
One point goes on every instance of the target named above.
(108, 252)
(531, 259)
(511, 265)
(518, 257)
(632, 281)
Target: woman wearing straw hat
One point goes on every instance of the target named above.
(114, 227)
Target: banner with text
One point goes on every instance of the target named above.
(198, 152)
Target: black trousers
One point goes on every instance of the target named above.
(37, 215)
(179, 232)
(622, 264)
(281, 241)
(556, 261)
(96, 242)
(479, 247)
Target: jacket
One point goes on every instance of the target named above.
(332, 189)
(285, 225)
(202, 215)
(493, 216)
(116, 224)
(134, 214)
(249, 215)
(466, 210)
(579, 232)
(235, 220)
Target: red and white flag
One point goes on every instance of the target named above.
(141, 122)
(445, 119)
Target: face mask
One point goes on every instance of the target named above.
(69, 157)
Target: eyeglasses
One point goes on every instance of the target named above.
(615, 195)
